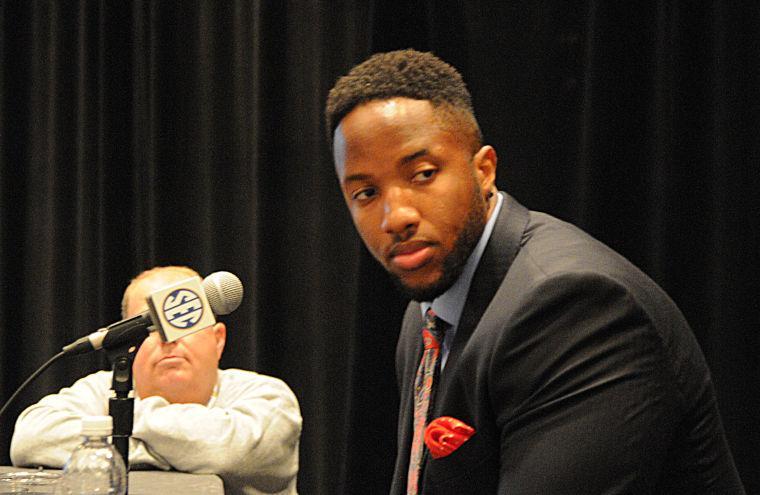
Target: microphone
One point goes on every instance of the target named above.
(174, 311)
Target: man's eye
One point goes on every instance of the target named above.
(363, 194)
(424, 175)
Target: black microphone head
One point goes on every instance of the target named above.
(224, 292)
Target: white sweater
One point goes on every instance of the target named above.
(248, 433)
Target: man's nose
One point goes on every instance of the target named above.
(170, 345)
(400, 216)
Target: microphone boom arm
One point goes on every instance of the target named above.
(131, 331)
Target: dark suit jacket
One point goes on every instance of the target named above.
(578, 373)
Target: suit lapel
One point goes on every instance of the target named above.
(500, 251)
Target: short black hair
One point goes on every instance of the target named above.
(404, 73)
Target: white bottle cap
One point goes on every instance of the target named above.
(97, 425)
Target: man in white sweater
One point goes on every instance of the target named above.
(189, 415)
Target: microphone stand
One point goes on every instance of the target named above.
(121, 405)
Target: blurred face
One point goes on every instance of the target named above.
(183, 371)
(416, 193)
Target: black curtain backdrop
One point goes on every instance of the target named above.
(142, 133)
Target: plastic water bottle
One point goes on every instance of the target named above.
(95, 467)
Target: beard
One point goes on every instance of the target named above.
(454, 263)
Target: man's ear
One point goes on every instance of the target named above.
(484, 163)
(220, 333)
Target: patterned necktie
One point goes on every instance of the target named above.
(432, 336)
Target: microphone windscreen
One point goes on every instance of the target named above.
(224, 292)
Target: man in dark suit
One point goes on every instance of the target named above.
(557, 367)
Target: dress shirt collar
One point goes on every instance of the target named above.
(448, 306)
